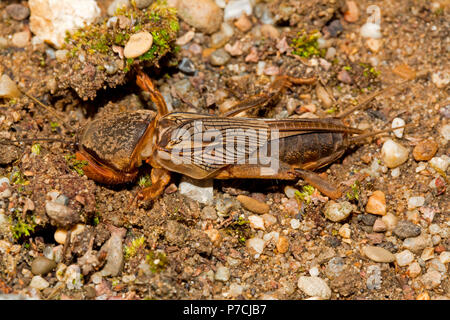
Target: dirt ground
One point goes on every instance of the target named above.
(178, 248)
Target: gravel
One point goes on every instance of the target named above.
(404, 258)
(378, 254)
(407, 229)
(42, 266)
(138, 44)
(314, 287)
(338, 211)
(393, 154)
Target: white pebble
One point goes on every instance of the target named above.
(345, 231)
(235, 8)
(395, 172)
(415, 202)
(271, 237)
(314, 287)
(38, 283)
(50, 20)
(235, 290)
(256, 222)
(338, 211)
(398, 122)
(445, 132)
(440, 79)
(404, 258)
(8, 88)
(444, 257)
(314, 272)
(371, 30)
(440, 163)
(260, 68)
(256, 244)
(222, 274)
(198, 190)
(138, 44)
(434, 228)
(295, 224)
(393, 154)
(421, 166)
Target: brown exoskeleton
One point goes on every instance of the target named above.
(114, 147)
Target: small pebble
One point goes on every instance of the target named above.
(427, 254)
(142, 4)
(352, 13)
(374, 279)
(282, 244)
(345, 231)
(431, 279)
(440, 79)
(243, 23)
(222, 274)
(425, 150)
(338, 211)
(406, 229)
(60, 214)
(187, 66)
(185, 38)
(209, 213)
(314, 287)
(235, 290)
(445, 132)
(17, 11)
(335, 28)
(270, 32)
(393, 154)
(290, 192)
(236, 8)
(198, 190)
(404, 258)
(377, 203)
(331, 52)
(39, 283)
(204, 15)
(398, 122)
(323, 96)
(72, 277)
(379, 226)
(414, 269)
(378, 254)
(416, 244)
(256, 222)
(138, 44)
(344, 77)
(444, 257)
(438, 163)
(42, 265)
(8, 88)
(395, 172)
(269, 220)
(415, 202)
(219, 57)
(253, 205)
(374, 44)
(295, 224)
(256, 245)
(371, 30)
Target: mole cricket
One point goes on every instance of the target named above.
(219, 147)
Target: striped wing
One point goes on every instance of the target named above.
(211, 142)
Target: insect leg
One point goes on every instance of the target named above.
(144, 82)
(160, 179)
(276, 89)
(318, 182)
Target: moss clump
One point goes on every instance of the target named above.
(307, 45)
(157, 261)
(95, 53)
(75, 165)
(98, 39)
(22, 227)
(305, 195)
(131, 250)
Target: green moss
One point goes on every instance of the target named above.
(18, 178)
(99, 39)
(22, 227)
(145, 181)
(75, 165)
(131, 250)
(354, 193)
(36, 148)
(306, 45)
(157, 261)
(305, 195)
